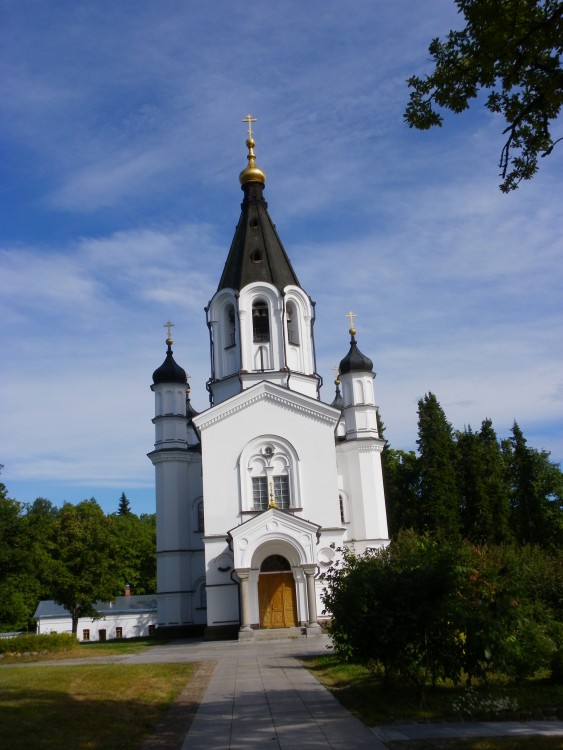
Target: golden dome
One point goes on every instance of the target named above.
(252, 173)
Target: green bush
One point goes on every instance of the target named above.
(25, 644)
(428, 610)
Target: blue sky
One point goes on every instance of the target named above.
(121, 142)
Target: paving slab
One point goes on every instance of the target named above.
(260, 696)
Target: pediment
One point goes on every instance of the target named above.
(265, 391)
(278, 532)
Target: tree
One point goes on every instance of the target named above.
(401, 479)
(536, 485)
(136, 540)
(482, 475)
(84, 559)
(512, 49)
(124, 505)
(401, 476)
(439, 494)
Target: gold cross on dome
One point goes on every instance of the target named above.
(336, 371)
(249, 119)
(351, 315)
(168, 325)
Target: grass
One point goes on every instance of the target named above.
(364, 693)
(492, 743)
(85, 651)
(86, 707)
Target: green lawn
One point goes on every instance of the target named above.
(86, 707)
(85, 651)
(365, 694)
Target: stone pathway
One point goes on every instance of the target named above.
(260, 696)
(256, 694)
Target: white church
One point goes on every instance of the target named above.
(255, 494)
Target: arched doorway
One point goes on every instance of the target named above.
(276, 594)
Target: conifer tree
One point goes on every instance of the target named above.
(536, 493)
(124, 505)
(483, 488)
(401, 479)
(439, 493)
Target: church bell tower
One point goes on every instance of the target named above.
(260, 320)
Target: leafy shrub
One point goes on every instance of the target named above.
(429, 610)
(25, 644)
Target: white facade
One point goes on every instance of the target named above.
(126, 617)
(255, 493)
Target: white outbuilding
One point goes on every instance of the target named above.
(255, 495)
(126, 617)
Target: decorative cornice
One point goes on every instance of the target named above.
(294, 402)
(361, 445)
(174, 455)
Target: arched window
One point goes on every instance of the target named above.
(343, 502)
(260, 321)
(200, 594)
(230, 332)
(269, 471)
(198, 516)
(269, 475)
(275, 564)
(292, 324)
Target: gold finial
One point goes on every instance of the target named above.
(351, 315)
(252, 173)
(272, 503)
(336, 371)
(169, 325)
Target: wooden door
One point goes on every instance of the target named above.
(278, 604)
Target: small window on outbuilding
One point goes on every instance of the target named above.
(119, 632)
(86, 634)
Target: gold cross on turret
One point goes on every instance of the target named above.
(249, 119)
(336, 371)
(168, 325)
(351, 315)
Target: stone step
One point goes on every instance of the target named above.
(276, 634)
(279, 634)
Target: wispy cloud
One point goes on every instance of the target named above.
(123, 143)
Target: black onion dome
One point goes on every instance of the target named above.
(338, 402)
(355, 361)
(169, 371)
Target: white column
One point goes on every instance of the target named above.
(310, 572)
(243, 574)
